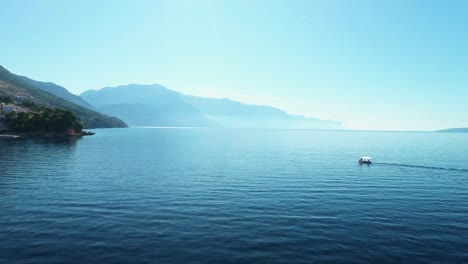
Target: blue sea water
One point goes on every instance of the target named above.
(145, 195)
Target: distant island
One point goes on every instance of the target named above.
(454, 130)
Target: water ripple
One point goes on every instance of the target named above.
(214, 196)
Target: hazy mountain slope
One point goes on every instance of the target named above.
(58, 91)
(12, 85)
(229, 113)
(157, 105)
(454, 130)
(228, 107)
(157, 115)
(146, 105)
(128, 94)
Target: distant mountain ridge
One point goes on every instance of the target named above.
(155, 105)
(150, 105)
(57, 90)
(230, 113)
(18, 87)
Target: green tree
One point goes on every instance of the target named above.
(6, 99)
(49, 120)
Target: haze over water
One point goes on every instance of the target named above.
(145, 195)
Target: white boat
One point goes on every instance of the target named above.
(365, 160)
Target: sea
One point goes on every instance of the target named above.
(194, 195)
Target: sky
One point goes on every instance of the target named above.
(377, 65)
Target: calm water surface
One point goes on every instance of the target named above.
(145, 195)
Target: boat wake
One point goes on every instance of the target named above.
(423, 167)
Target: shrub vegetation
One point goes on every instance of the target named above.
(47, 120)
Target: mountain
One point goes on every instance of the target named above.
(155, 105)
(230, 113)
(454, 130)
(58, 91)
(146, 105)
(16, 87)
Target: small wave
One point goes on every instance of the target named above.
(422, 167)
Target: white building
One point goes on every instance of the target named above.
(7, 108)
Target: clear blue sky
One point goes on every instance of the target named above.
(394, 65)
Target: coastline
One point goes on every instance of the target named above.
(9, 136)
(45, 135)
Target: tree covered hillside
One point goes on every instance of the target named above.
(13, 86)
